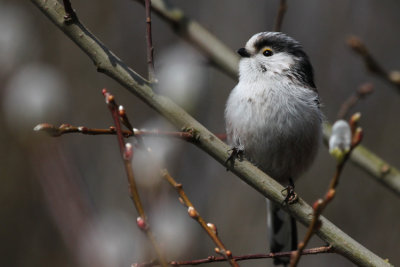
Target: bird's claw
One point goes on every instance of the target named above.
(290, 196)
(235, 153)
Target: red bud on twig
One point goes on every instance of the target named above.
(128, 153)
(192, 212)
(357, 137)
(121, 111)
(212, 227)
(141, 223)
(330, 194)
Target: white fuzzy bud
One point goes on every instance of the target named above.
(340, 140)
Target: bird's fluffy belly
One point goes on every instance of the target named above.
(279, 133)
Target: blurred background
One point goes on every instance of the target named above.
(65, 202)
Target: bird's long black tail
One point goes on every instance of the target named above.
(282, 232)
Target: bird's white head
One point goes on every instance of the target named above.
(274, 55)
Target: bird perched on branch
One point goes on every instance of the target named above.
(273, 118)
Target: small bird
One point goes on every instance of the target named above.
(273, 118)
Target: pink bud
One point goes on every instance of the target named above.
(128, 153)
(212, 227)
(317, 204)
(141, 223)
(121, 111)
(109, 98)
(192, 212)
(83, 129)
(357, 137)
(330, 194)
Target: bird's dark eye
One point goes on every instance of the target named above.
(267, 52)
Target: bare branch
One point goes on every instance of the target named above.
(112, 66)
(127, 154)
(210, 229)
(67, 128)
(210, 259)
(372, 65)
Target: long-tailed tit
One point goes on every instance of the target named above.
(273, 117)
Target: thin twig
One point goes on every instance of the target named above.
(109, 64)
(320, 205)
(210, 259)
(149, 41)
(372, 65)
(281, 14)
(67, 128)
(192, 31)
(124, 118)
(363, 91)
(208, 227)
(127, 154)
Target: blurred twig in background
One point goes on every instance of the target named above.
(372, 64)
(281, 14)
(363, 91)
(68, 205)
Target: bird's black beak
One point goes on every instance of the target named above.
(243, 52)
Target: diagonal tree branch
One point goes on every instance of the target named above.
(112, 66)
(226, 60)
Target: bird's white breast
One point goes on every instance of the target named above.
(276, 123)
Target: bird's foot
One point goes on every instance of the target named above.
(290, 196)
(235, 153)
